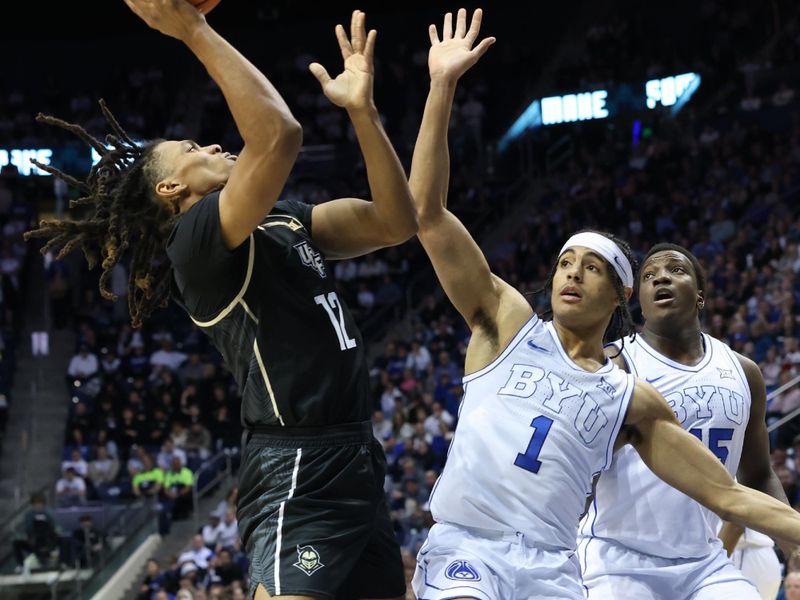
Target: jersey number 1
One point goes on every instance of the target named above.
(530, 460)
(330, 302)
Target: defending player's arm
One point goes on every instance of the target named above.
(459, 263)
(272, 137)
(349, 227)
(682, 461)
(755, 467)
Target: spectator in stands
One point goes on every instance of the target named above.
(381, 428)
(149, 480)
(153, 581)
(198, 440)
(439, 422)
(228, 532)
(791, 586)
(197, 555)
(103, 471)
(229, 502)
(39, 536)
(211, 531)
(176, 495)
(168, 450)
(227, 570)
(77, 463)
(167, 356)
(83, 365)
(87, 543)
(70, 489)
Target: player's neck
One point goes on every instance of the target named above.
(584, 348)
(682, 344)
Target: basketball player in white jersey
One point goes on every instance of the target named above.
(543, 405)
(641, 539)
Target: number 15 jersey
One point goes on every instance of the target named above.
(533, 429)
(634, 508)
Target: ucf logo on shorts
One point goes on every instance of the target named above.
(311, 258)
(308, 560)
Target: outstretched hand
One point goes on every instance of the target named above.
(175, 18)
(451, 57)
(352, 88)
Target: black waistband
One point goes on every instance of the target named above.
(303, 437)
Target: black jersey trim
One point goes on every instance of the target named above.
(226, 311)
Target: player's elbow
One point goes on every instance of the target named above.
(401, 228)
(289, 137)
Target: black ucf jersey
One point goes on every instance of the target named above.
(271, 309)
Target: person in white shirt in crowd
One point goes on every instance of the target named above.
(103, 469)
(439, 421)
(381, 426)
(419, 358)
(228, 531)
(167, 356)
(70, 489)
(197, 554)
(77, 463)
(211, 531)
(168, 450)
(83, 365)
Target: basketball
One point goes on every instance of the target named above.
(204, 6)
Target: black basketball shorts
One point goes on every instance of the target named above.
(313, 516)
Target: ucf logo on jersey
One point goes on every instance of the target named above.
(308, 560)
(311, 258)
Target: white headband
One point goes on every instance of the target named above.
(605, 248)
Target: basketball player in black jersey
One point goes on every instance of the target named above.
(206, 228)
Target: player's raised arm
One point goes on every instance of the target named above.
(459, 263)
(348, 227)
(272, 137)
(682, 461)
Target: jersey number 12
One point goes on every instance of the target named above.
(330, 302)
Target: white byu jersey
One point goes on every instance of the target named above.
(632, 506)
(533, 430)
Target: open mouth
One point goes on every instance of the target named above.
(570, 294)
(663, 296)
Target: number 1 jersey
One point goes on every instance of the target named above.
(533, 430)
(271, 309)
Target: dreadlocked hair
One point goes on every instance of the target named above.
(124, 215)
(621, 324)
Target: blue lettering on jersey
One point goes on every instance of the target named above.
(701, 397)
(562, 391)
(703, 402)
(732, 404)
(522, 381)
(559, 396)
(590, 419)
(461, 570)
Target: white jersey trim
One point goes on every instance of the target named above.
(630, 386)
(607, 366)
(709, 353)
(225, 311)
(739, 369)
(279, 534)
(515, 341)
